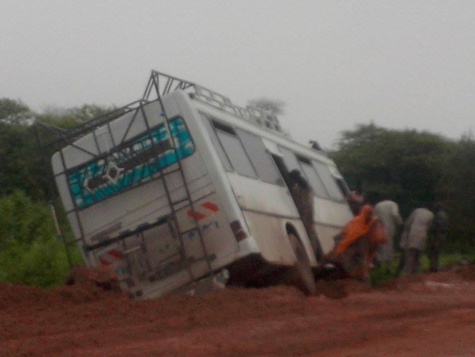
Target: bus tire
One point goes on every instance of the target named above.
(301, 273)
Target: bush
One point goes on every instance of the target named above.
(30, 251)
(43, 263)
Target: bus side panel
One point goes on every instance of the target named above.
(270, 235)
(331, 212)
(211, 161)
(273, 201)
(259, 196)
(330, 218)
(267, 209)
(326, 235)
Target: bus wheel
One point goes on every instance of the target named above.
(301, 273)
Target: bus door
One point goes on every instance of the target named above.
(301, 203)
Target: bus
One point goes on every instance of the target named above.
(182, 188)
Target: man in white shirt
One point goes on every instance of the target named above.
(388, 213)
(414, 238)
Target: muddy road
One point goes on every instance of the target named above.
(426, 315)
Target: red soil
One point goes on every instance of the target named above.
(425, 315)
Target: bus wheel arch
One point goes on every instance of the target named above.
(301, 274)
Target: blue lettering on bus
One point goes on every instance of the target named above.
(132, 152)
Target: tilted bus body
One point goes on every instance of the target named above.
(181, 187)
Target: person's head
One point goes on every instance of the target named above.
(295, 175)
(296, 178)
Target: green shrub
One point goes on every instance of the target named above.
(30, 251)
(42, 263)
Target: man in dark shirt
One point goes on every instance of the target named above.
(303, 197)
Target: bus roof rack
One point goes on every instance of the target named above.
(161, 84)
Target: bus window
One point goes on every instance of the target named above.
(234, 150)
(236, 153)
(343, 186)
(340, 181)
(314, 180)
(289, 159)
(217, 145)
(329, 181)
(304, 165)
(260, 158)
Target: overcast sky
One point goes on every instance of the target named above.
(400, 64)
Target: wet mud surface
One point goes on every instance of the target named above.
(424, 315)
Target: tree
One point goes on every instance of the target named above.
(72, 117)
(15, 112)
(21, 167)
(458, 186)
(272, 107)
(25, 160)
(405, 166)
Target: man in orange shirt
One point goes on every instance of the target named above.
(358, 246)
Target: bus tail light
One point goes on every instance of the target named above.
(238, 230)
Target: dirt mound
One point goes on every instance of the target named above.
(84, 285)
(102, 277)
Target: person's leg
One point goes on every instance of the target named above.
(417, 261)
(359, 260)
(401, 264)
(411, 261)
(436, 260)
(312, 236)
(305, 207)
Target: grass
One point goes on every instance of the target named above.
(381, 273)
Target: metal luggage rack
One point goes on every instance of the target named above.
(158, 86)
(163, 84)
(68, 136)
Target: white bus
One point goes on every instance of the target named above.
(184, 186)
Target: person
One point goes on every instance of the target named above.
(355, 201)
(388, 213)
(302, 195)
(437, 234)
(413, 239)
(358, 244)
